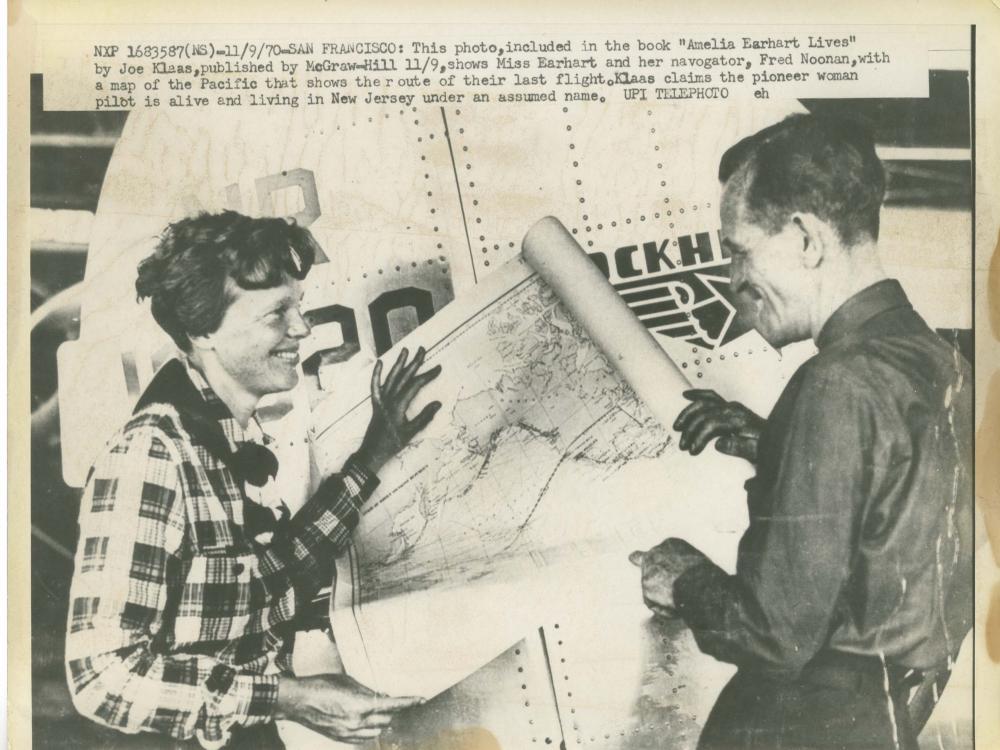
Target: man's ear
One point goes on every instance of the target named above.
(815, 236)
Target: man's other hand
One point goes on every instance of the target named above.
(389, 429)
(338, 706)
(709, 416)
(661, 566)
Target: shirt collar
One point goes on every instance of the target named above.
(862, 307)
(218, 410)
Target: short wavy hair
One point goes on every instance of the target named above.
(823, 165)
(188, 278)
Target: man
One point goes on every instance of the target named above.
(853, 579)
(181, 620)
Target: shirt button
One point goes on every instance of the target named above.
(237, 569)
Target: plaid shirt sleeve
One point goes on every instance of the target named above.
(305, 558)
(132, 527)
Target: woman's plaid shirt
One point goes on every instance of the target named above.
(177, 618)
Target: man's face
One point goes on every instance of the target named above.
(257, 342)
(767, 271)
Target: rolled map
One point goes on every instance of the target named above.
(551, 250)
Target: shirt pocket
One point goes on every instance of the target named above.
(218, 602)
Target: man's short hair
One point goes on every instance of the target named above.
(189, 277)
(826, 166)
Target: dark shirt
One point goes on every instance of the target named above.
(860, 535)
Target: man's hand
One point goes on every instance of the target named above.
(708, 416)
(389, 429)
(337, 706)
(661, 566)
